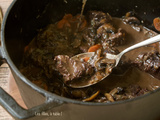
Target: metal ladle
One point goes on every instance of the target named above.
(117, 58)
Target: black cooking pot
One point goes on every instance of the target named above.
(20, 25)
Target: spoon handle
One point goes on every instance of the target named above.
(141, 44)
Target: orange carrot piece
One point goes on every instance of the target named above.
(64, 21)
(67, 16)
(94, 48)
(92, 97)
(26, 48)
(83, 25)
(156, 23)
(61, 23)
(86, 59)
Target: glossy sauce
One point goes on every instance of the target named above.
(133, 36)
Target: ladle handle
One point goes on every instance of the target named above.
(141, 44)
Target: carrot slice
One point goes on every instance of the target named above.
(94, 48)
(83, 25)
(26, 48)
(64, 21)
(92, 97)
(156, 23)
(67, 16)
(86, 59)
(61, 23)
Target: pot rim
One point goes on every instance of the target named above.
(44, 92)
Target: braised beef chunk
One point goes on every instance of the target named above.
(99, 26)
(41, 58)
(58, 42)
(72, 69)
(101, 30)
(98, 18)
(149, 62)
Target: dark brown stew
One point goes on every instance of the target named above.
(47, 60)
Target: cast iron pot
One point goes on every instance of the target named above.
(20, 25)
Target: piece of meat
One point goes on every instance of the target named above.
(72, 69)
(99, 23)
(98, 18)
(149, 62)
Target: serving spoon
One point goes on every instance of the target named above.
(117, 58)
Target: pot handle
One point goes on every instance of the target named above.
(18, 112)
